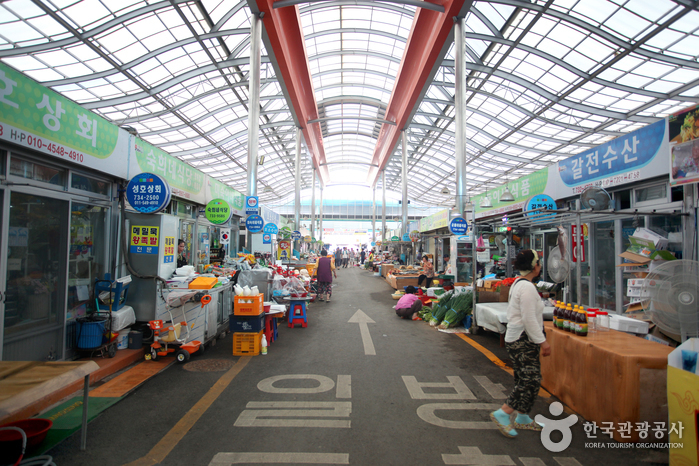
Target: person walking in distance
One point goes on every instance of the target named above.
(326, 271)
(345, 258)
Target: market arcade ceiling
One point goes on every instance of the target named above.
(546, 80)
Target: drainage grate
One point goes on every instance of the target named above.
(209, 365)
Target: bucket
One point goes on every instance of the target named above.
(135, 339)
(90, 332)
(123, 338)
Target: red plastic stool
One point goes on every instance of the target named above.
(269, 328)
(297, 312)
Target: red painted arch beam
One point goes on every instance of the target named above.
(428, 35)
(285, 34)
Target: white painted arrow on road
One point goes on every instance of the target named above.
(362, 319)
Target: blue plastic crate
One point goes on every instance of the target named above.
(239, 324)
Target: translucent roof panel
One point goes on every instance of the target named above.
(544, 82)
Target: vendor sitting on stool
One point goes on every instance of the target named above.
(181, 259)
(409, 305)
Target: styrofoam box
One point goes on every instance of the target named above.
(627, 324)
(636, 282)
(637, 292)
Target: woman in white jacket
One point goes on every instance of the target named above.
(525, 340)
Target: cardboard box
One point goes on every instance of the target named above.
(490, 284)
(654, 240)
(682, 396)
(635, 259)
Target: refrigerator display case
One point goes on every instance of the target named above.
(461, 258)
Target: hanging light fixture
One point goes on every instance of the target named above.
(507, 195)
(485, 203)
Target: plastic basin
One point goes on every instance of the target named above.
(11, 440)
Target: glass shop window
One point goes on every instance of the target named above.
(622, 199)
(669, 226)
(651, 193)
(93, 185)
(34, 171)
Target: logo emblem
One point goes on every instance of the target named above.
(562, 425)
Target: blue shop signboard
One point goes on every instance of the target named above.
(458, 226)
(296, 235)
(271, 229)
(148, 193)
(540, 201)
(254, 224)
(252, 205)
(266, 238)
(623, 154)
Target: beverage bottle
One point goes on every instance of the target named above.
(576, 320)
(555, 313)
(582, 322)
(561, 309)
(591, 321)
(264, 344)
(567, 318)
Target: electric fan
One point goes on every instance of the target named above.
(558, 264)
(595, 198)
(671, 293)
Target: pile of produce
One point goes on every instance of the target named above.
(505, 282)
(451, 309)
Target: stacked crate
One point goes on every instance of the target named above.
(247, 324)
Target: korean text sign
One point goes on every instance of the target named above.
(33, 116)
(144, 240)
(218, 211)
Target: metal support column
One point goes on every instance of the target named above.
(297, 189)
(313, 207)
(373, 215)
(404, 183)
(459, 111)
(320, 215)
(383, 207)
(253, 110)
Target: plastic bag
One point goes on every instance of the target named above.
(295, 287)
(480, 244)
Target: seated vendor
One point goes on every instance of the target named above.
(409, 305)
(181, 259)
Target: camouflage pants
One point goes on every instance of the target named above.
(525, 359)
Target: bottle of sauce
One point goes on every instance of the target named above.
(567, 318)
(582, 327)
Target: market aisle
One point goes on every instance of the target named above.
(320, 397)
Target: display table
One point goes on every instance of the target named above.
(493, 316)
(23, 383)
(399, 281)
(385, 268)
(608, 377)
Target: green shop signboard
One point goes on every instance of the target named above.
(395, 238)
(218, 211)
(181, 177)
(34, 116)
(220, 190)
(522, 189)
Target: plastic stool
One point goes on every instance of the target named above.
(269, 328)
(297, 312)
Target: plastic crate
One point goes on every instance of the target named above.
(248, 305)
(246, 323)
(247, 344)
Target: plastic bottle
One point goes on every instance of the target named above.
(264, 344)
(576, 320)
(566, 317)
(591, 321)
(602, 321)
(582, 323)
(555, 313)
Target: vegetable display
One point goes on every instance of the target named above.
(461, 306)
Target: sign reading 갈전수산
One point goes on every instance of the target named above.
(218, 211)
(34, 116)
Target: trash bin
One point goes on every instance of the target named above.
(91, 331)
(135, 339)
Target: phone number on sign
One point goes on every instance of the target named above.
(33, 141)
